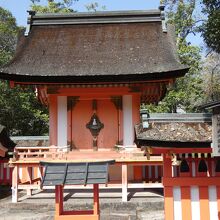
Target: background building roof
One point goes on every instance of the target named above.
(176, 130)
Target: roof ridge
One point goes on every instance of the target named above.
(100, 17)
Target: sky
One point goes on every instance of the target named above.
(19, 8)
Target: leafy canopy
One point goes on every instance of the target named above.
(186, 92)
(53, 6)
(211, 28)
(8, 36)
(20, 110)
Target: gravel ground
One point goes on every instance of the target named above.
(142, 205)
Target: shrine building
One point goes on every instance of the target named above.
(93, 71)
(95, 67)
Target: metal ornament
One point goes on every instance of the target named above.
(95, 125)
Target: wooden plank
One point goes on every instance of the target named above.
(204, 203)
(168, 203)
(77, 217)
(218, 200)
(138, 175)
(193, 181)
(58, 200)
(96, 199)
(15, 185)
(124, 182)
(186, 203)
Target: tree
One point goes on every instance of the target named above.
(211, 77)
(95, 7)
(53, 6)
(20, 110)
(211, 28)
(187, 91)
(8, 36)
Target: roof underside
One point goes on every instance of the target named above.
(125, 48)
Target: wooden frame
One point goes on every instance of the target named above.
(191, 194)
(34, 181)
(61, 214)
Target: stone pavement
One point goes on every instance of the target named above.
(142, 205)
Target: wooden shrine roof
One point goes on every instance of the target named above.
(210, 105)
(176, 130)
(128, 46)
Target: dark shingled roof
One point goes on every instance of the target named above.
(101, 47)
(176, 130)
(210, 105)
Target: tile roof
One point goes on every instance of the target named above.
(177, 129)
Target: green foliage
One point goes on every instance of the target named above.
(8, 36)
(187, 92)
(95, 7)
(20, 110)
(53, 6)
(211, 77)
(211, 28)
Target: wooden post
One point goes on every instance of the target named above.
(53, 119)
(96, 199)
(40, 172)
(204, 203)
(217, 174)
(186, 203)
(15, 184)
(124, 182)
(29, 176)
(168, 191)
(218, 200)
(58, 200)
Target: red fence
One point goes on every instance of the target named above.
(192, 189)
(5, 172)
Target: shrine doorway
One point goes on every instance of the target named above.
(94, 123)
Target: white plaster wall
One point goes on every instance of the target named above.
(20, 172)
(62, 121)
(195, 205)
(177, 203)
(213, 206)
(128, 134)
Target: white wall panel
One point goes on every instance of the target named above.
(177, 203)
(195, 205)
(62, 121)
(128, 134)
(213, 206)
